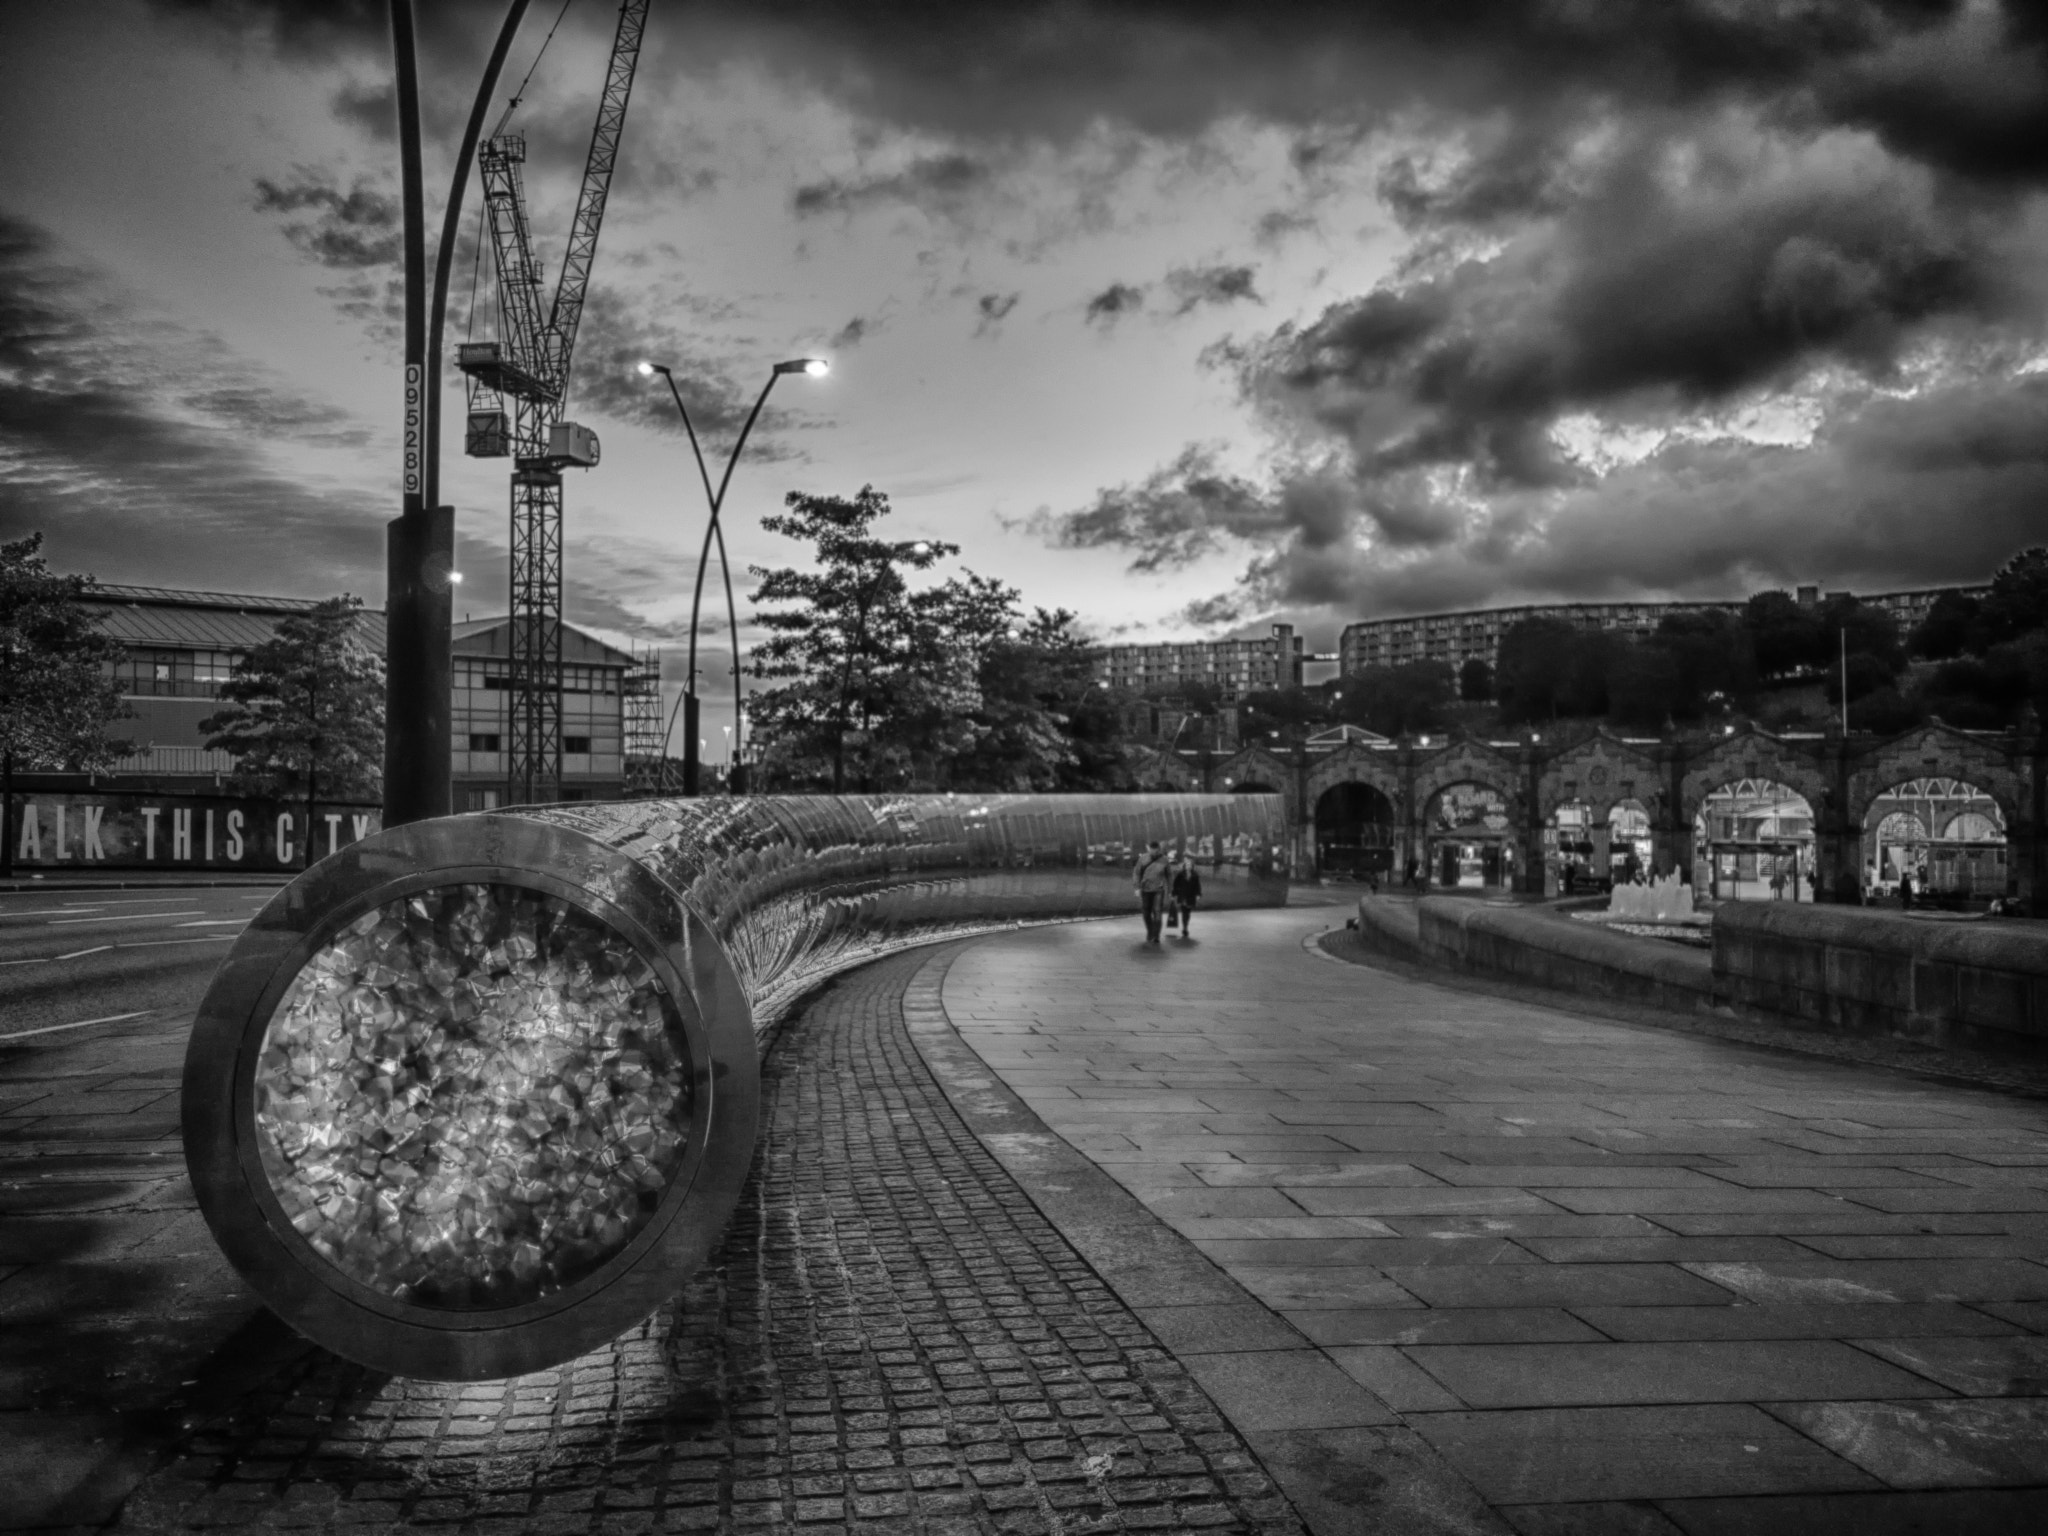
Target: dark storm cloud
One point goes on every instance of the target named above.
(936, 183)
(356, 228)
(1114, 302)
(139, 483)
(1196, 286)
(617, 336)
(1175, 515)
(1963, 86)
(851, 334)
(1691, 270)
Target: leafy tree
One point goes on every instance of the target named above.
(1398, 701)
(1951, 627)
(303, 713)
(1867, 630)
(1291, 714)
(1783, 636)
(1036, 700)
(1475, 681)
(861, 661)
(2017, 603)
(58, 695)
(1712, 659)
(1644, 687)
(1534, 659)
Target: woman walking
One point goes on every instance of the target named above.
(1151, 878)
(1186, 890)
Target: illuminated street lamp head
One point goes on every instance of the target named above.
(455, 577)
(649, 370)
(814, 367)
(920, 548)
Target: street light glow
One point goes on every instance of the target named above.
(812, 367)
(648, 370)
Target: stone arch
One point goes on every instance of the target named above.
(1256, 766)
(1354, 764)
(1167, 772)
(1468, 836)
(1600, 772)
(1941, 751)
(1356, 829)
(1750, 754)
(1466, 761)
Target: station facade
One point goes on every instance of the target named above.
(1743, 814)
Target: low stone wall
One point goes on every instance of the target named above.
(1538, 945)
(1981, 984)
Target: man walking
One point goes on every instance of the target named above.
(1152, 880)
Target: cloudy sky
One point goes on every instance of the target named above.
(1184, 316)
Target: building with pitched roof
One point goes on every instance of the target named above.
(182, 646)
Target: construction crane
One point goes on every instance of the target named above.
(527, 369)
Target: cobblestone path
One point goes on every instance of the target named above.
(891, 1338)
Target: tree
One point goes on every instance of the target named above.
(303, 712)
(1712, 658)
(1475, 681)
(1783, 636)
(1035, 684)
(58, 695)
(878, 683)
(2017, 603)
(1398, 701)
(1534, 658)
(1950, 628)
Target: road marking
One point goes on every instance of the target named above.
(217, 922)
(51, 1029)
(118, 917)
(50, 912)
(78, 954)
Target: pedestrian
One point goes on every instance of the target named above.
(1186, 891)
(1151, 880)
(1906, 890)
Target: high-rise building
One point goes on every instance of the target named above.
(1233, 667)
(1475, 633)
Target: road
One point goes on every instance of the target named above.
(75, 965)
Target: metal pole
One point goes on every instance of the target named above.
(420, 546)
(1845, 679)
(451, 220)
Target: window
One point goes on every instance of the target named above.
(480, 799)
(574, 744)
(484, 741)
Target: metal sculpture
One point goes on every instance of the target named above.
(474, 1095)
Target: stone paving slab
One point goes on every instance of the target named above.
(892, 1338)
(1630, 1277)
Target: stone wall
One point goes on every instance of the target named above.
(1956, 983)
(1543, 946)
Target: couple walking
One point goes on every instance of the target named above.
(1168, 888)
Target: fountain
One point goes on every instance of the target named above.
(1666, 899)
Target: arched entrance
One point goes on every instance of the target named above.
(1568, 849)
(1631, 848)
(1355, 832)
(1753, 841)
(1947, 833)
(1469, 840)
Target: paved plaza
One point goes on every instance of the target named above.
(1050, 1231)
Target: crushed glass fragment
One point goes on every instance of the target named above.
(472, 1097)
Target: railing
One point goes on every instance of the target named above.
(474, 1095)
(189, 760)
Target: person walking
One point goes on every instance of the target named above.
(1186, 890)
(1152, 879)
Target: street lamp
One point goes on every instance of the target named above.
(810, 367)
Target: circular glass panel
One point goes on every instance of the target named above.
(472, 1097)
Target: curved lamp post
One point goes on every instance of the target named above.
(810, 367)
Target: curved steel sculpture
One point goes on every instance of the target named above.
(474, 1095)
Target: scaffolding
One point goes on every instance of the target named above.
(646, 757)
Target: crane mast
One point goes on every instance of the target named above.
(529, 367)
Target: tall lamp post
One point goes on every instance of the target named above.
(811, 367)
